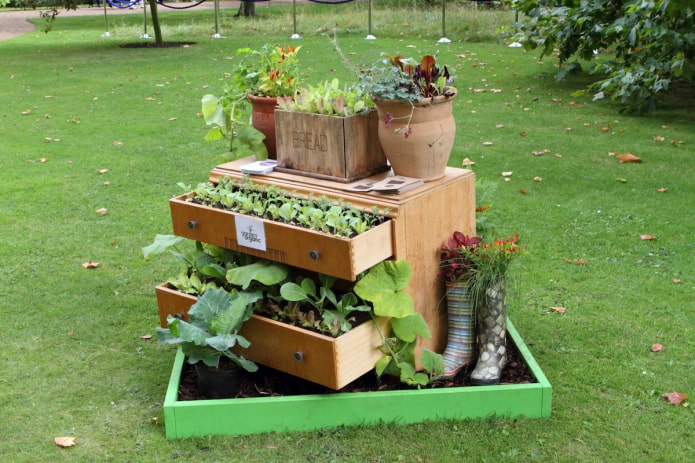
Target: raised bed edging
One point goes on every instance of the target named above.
(309, 412)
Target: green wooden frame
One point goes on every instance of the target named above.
(308, 412)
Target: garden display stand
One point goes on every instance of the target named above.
(421, 219)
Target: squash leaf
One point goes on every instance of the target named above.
(384, 286)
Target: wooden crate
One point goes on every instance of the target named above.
(331, 362)
(184, 419)
(320, 252)
(336, 148)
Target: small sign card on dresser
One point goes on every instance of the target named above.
(390, 185)
(259, 167)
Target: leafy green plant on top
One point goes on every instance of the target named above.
(328, 98)
(271, 71)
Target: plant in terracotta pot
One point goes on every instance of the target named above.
(206, 339)
(260, 76)
(416, 126)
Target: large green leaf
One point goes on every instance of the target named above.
(161, 243)
(384, 287)
(204, 354)
(267, 273)
(210, 305)
(293, 292)
(410, 327)
(432, 361)
(212, 110)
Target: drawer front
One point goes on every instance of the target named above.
(331, 362)
(299, 247)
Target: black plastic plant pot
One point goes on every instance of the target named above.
(219, 383)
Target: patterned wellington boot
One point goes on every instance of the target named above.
(492, 330)
(459, 348)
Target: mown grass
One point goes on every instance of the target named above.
(74, 362)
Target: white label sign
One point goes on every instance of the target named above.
(250, 232)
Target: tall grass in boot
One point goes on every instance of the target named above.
(492, 331)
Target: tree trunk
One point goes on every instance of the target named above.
(155, 22)
(246, 9)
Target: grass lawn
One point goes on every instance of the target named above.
(86, 125)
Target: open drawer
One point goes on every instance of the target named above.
(300, 247)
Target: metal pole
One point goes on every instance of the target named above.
(144, 12)
(295, 35)
(217, 35)
(106, 22)
(369, 31)
(443, 39)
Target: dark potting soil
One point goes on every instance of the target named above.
(267, 382)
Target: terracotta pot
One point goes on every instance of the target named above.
(424, 152)
(263, 119)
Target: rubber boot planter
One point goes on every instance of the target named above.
(461, 338)
(492, 330)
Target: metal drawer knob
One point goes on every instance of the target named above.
(192, 224)
(299, 356)
(314, 255)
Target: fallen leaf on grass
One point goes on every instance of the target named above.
(657, 347)
(117, 143)
(103, 171)
(102, 211)
(467, 162)
(90, 264)
(675, 398)
(677, 281)
(659, 138)
(483, 208)
(662, 190)
(44, 159)
(537, 179)
(65, 441)
(628, 157)
(146, 336)
(647, 237)
(558, 309)
(621, 180)
(487, 143)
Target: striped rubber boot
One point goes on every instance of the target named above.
(460, 344)
(492, 330)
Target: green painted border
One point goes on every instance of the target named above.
(309, 412)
